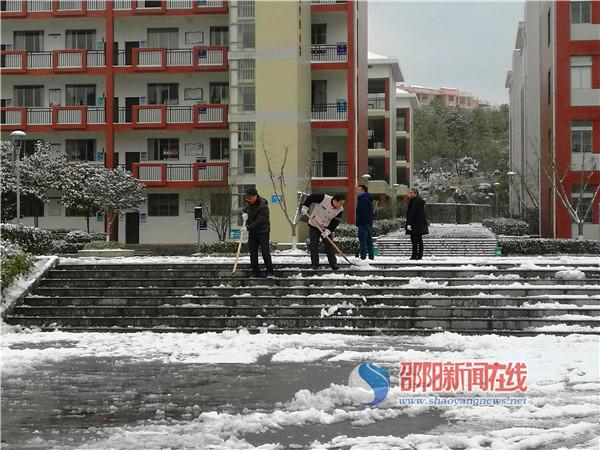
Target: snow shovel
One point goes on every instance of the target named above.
(239, 248)
(337, 249)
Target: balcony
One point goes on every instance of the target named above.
(59, 8)
(322, 169)
(376, 102)
(196, 174)
(169, 6)
(333, 112)
(162, 116)
(57, 61)
(56, 117)
(337, 53)
(207, 58)
(328, 5)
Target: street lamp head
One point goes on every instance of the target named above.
(511, 173)
(366, 176)
(496, 184)
(18, 134)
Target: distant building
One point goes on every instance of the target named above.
(448, 96)
(390, 119)
(554, 90)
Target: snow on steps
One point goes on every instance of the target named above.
(389, 297)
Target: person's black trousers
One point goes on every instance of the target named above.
(254, 242)
(417, 245)
(315, 236)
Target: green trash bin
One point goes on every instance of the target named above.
(498, 251)
(375, 251)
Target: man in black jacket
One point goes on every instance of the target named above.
(416, 223)
(256, 216)
(322, 222)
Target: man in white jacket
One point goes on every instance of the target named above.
(322, 222)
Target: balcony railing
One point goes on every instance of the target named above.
(330, 112)
(201, 174)
(329, 53)
(67, 117)
(57, 60)
(159, 116)
(56, 7)
(327, 2)
(376, 101)
(199, 57)
(337, 169)
(145, 6)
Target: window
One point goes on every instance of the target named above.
(81, 149)
(219, 36)
(163, 38)
(582, 200)
(581, 12)
(581, 136)
(81, 94)
(163, 149)
(581, 72)
(319, 92)
(80, 39)
(28, 95)
(32, 206)
(163, 204)
(219, 148)
(29, 41)
(247, 33)
(318, 33)
(163, 93)
(451, 98)
(549, 93)
(549, 25)
(220, 204)
(219, 93)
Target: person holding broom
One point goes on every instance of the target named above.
(256, 217)
(322, 222)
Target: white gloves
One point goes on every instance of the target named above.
(409, 227)
(304, 210)
(326, 233)
(245, 217)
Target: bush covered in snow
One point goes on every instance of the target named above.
(64, 247)
(78, 237)
(549, 246)
(507, 227)
(32, 240)
(225, 247)
(380, 227)
(14, 262)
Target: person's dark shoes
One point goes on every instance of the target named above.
(371, 258)
(335, 267)
(314, 267)
(257, 275)
(364, 257)
(269, 274)
(413, 257)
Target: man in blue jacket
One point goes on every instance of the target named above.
(364, 221)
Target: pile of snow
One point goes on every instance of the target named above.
(570, 274)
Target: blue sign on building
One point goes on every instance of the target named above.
(201, 224)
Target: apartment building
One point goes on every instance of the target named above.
(554, 88)
(448, 96)
(390, 117)
(196, 97)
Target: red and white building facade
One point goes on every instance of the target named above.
(168, 89)
(555, 115)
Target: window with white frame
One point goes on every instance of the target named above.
(163, 93)
(581, 12)
(219, 36)
(30, 95)
(581, 199)
(163, 204)
(28, 41)
(581, 136)
(163, 38)
(80, 39)
(219, 148)
(581, 72)
(165, 149)
(81, 149)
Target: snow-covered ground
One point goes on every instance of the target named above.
(236, 390)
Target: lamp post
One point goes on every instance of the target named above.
(510, 175)
(395, 187)
(496, 184)
(17, 135)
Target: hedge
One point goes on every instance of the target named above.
(225, 247)
(507, 227)
(14, 263)
(549, 246)
(31, 239)
(380, 227)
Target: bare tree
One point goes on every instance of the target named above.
(218, 215)
(574, 204)
(278, 182)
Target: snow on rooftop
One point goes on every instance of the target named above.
(372, 55)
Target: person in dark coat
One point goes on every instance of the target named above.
(256, 216)
(364, 221)
(416, 223)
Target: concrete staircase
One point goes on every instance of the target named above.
(403, 297)
(433, 246)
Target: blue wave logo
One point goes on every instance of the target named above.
(371, 383)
